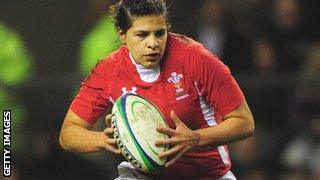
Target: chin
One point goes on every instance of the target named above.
(151, 64)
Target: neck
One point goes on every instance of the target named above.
(146, 74)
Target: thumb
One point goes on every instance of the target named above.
(175, 118)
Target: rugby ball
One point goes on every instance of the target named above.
(134, 122)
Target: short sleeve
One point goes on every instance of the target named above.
(91, 101)
(215, 82)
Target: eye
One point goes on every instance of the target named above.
(160, 33)
(142, 35)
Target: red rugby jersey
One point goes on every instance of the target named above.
(192, 82)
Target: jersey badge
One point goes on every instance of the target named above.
(176, 80)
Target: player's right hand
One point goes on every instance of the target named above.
(111, 144)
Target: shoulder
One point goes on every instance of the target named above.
(180, 42)
(190, 52)
(107, 64)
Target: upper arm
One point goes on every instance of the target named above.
(76, 135)
(92, 99)
(73, 119)
(243, 113)
(215, 82)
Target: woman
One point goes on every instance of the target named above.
(202, 103)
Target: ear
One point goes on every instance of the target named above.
(122, 35)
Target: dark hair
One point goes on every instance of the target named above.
(124, 10)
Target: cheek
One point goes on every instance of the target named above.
(136, 49)
(163, 44)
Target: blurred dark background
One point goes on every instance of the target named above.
(271, 46)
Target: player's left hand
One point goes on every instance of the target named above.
(181, 139)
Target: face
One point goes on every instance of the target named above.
(146, 39)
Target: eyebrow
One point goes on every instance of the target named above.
(143, 31)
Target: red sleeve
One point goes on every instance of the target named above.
(215, 81)
(91, 101)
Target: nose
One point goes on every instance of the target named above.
(152, 42)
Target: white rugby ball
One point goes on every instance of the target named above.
(134, 122)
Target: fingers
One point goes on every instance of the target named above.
(108, 120)
(112, 146)
(111, 143)
(108, 131)
(113, 149)
(165, 142)
(179, 140)
(165, 130)
(174, 150)
(173, 160)
(175, 118)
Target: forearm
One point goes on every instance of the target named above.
(229, 131)
(79, 139)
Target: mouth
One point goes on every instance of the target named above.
(153, 56)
